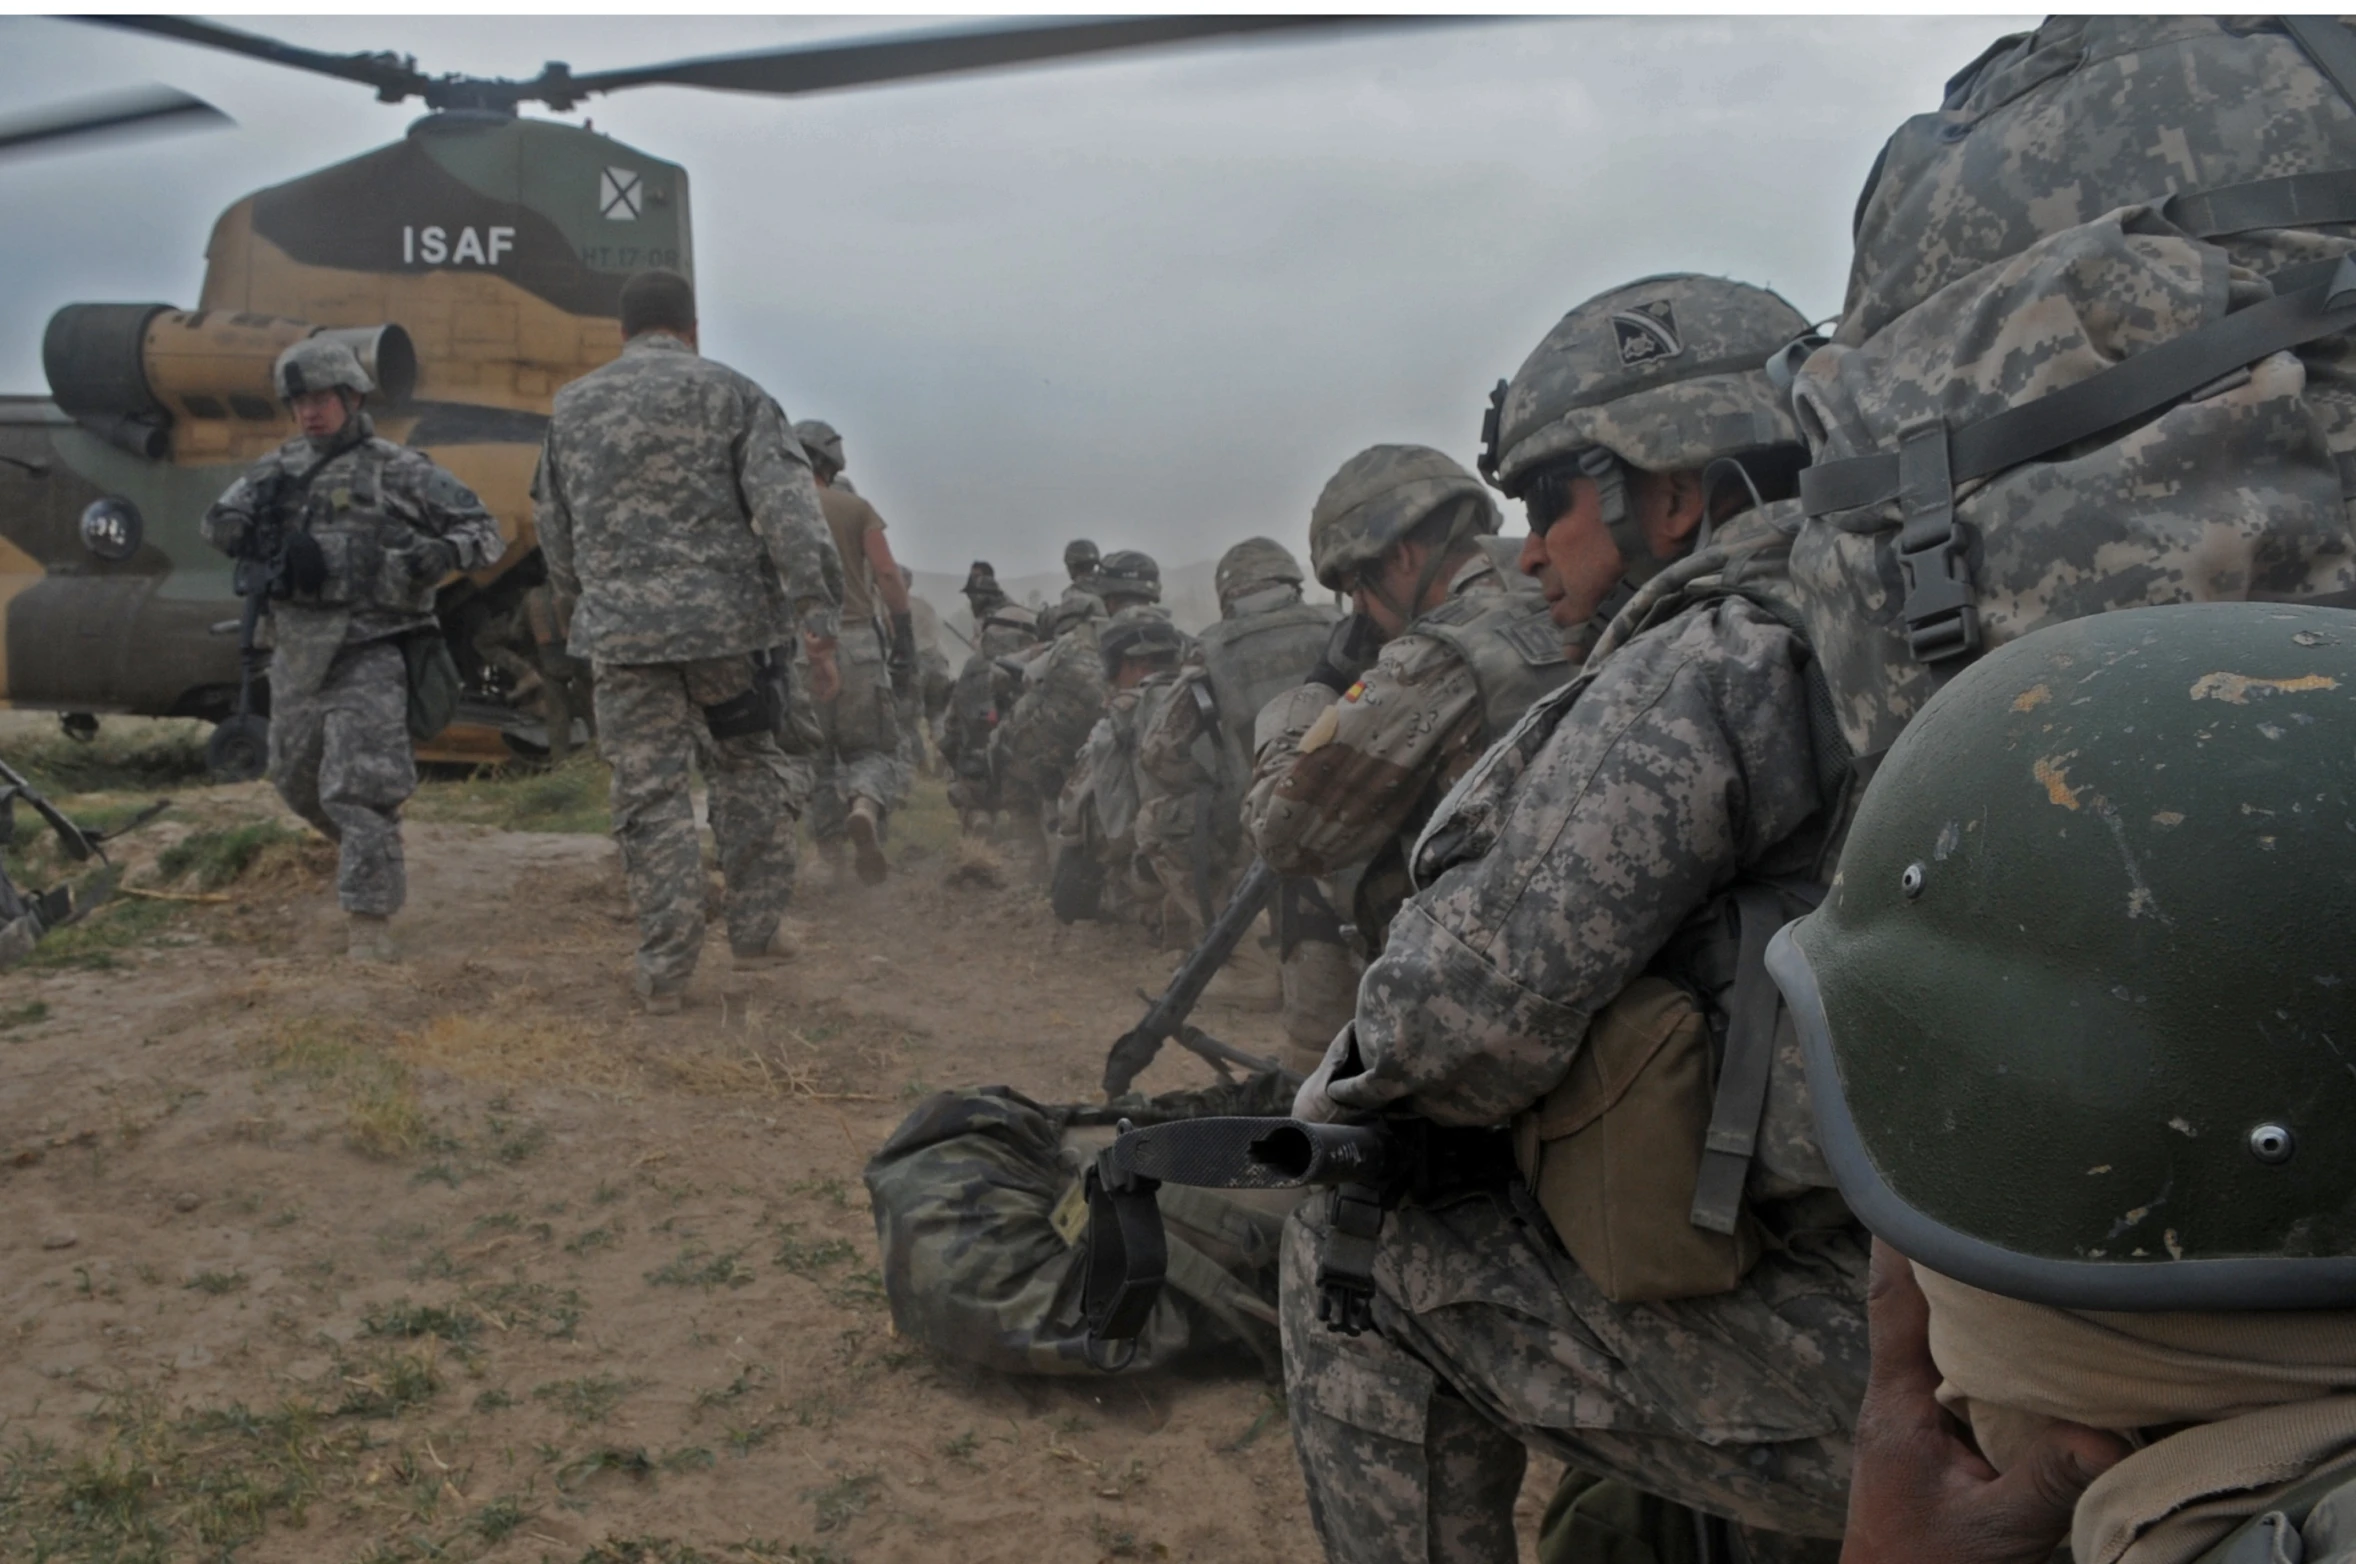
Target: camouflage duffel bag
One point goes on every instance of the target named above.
(983, 1229)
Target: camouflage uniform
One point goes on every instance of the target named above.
(1345, 779)
(1592, 846)
(1098, 814)
(983, 695)
(1063, 695)
(649, 469)
(389, 524)
(1573, 856)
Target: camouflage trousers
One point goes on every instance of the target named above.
(340, 756)
(650, 725)
(859, 755)
(1488, 1339)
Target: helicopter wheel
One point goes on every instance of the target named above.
(239, 749)
(80, 726)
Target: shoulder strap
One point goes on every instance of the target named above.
(2330, 47)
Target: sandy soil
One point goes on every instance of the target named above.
(507, 1271)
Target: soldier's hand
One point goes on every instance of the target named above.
(1920, 1493)
(826, 680)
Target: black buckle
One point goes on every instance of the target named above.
(1941, 612)
(1492, 424)
(1345, 1271)
(1128, 1256)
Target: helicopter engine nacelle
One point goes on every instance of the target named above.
(126, 372)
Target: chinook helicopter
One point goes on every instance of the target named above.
(475, 265)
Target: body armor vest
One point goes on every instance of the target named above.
(1514, 650)
(1255, 657)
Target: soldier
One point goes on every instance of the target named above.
(2070, 1058)
(1064, 686)
(1080, 561)
(1194, 752)
(1438, 657)
(1656, 1304)
(926, 700)
(1096, 838)
(685, 540)
(860, 775)
(984, 693)
(370, 528)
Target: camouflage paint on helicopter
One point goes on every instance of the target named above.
(498, 244)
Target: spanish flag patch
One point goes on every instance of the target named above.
(1354, 691)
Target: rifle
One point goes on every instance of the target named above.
(258, 576)
(1165, 1017)
(24, 917)
(1368, 1167)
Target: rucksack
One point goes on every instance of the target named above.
(2096, 351)
(982, 1224)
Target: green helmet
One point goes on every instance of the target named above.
(1665, 374)
(1382, 494)
(1128, 573)
(1080, 558)
(1077, 606)
(1251, 565)
(823, 445)
(1142, 630)
(2079, 1012)
(319, 364)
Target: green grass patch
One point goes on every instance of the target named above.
(699, 1267)
(96, 943)
(217, 1283)
(844, 1500)
(808, 1256)
(387, 1382)
(406, 1321)
(129, 755)
(213, 859)
(30, 1014)
(589, 1399)
(566, 798)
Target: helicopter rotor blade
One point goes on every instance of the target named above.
(874, 61)
(393, 77)
(147, 108)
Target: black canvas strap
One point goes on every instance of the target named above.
(1743, 1075)
(2149, 380)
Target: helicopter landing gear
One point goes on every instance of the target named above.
(80, 726)
(239, 749)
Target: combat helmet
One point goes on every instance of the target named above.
(824, 445)
(1382, 494)
(1080, 559)
(1664, 374)
(1129, 574)
(981, 586)
(1141, 630)
(2077, 1010)
(1252, 565)
(319, 364)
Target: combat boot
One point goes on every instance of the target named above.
(659, 999)
(370, 938)
(866, 830)
(783, 946)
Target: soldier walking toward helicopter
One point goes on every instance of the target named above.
(686, 546)
(353, 534)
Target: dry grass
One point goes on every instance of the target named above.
(382, 1115)
(521, 1052)
(975, 864)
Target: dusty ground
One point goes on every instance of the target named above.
(466, 1260)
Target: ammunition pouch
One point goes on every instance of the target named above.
(1613, 1154)
(740, 716)
(434, 683)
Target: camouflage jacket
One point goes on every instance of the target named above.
(1616, 809)
(371, 508)
(678, 513)
(1063, 695)
(1338, 778)
(1104, 773)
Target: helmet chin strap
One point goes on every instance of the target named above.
(1433, 564)
(1638, 564)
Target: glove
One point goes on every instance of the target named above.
(1349, 651)
(1310, 1103)
(306, 565)
(902, 662)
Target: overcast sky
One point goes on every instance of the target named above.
(1156, 300)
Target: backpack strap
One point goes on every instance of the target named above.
(1940, 621)
(2329, 47)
